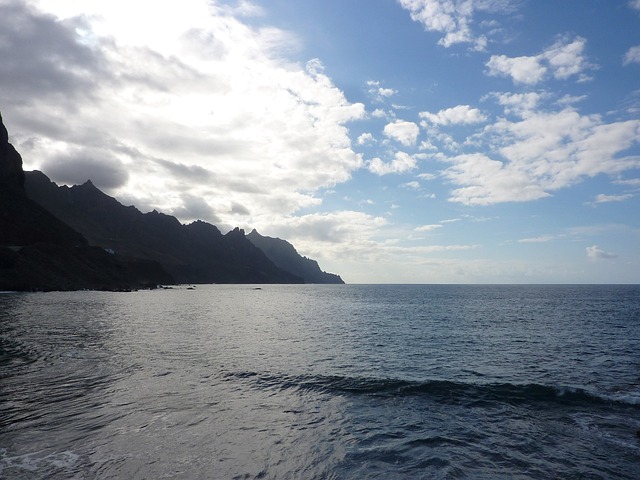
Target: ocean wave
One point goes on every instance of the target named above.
(443, 391)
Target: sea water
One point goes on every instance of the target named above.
(322, 382)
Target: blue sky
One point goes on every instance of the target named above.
(395, 141)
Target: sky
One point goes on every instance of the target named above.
(394, 141)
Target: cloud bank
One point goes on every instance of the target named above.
(196, 104)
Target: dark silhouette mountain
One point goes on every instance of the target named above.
(193, 253)
(39, 252)
(285, 256)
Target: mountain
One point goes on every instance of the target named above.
(193, 253)
(285, 256)
(39, 252)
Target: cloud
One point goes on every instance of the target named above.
(485, 181)
(103, 169)
(195, 208)
(540, 239)
(543, 152)
(632, 56)
(454, 18)
(459, 115)
(402, 163)
(411, 185)
(197, 93)
(564, 59)
(244, 8)
(427, 176)
(339, 228)
(527, 70)
(43, 57)
(595, 253)
(379, 93)
(633, 182)
(520, 104)
(428, 228)
(365, 139)
(635, 4)
(602, 198)
(404, 132)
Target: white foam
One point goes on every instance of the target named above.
(35, 461)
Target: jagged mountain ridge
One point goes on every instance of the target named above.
(285, 256)
(192, 253)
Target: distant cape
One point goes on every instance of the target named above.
(285, 256)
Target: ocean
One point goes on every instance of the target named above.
(322, 382)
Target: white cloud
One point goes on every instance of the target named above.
(485, 181)
(563, 60)
(540, 239)
(520, 104)
(195, 103)
(635, 4)
(539, 154)
(602, 198)
(402, 131)
(427, 176)
(632, 182)
(458, 115)
(528, 70)
(428, 228)
(594, 252)
(365, 139)
(412, 185)
(244, 8)
(566, 58)
(402, 163)
(632, 55)
(427, 145)
(379, 93)
(454, 18)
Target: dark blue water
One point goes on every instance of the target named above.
(325, 382)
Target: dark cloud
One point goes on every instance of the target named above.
(104, 171)
(195, 208)
(42, 56)
(239, 209)
(194, 173)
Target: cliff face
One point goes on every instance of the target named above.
(23, 222)
(11, 173)
(39, 252)
(194, 253)
(285, 256)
